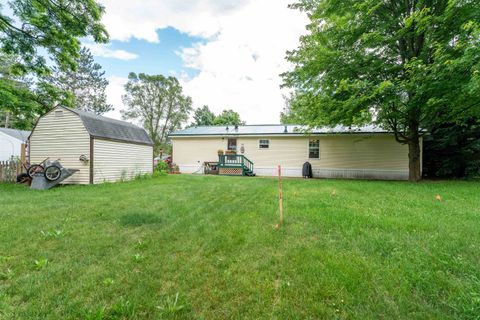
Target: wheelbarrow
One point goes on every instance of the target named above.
(48, 174)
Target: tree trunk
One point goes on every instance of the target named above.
(414, 160)
(7, 120)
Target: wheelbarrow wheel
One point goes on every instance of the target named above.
(52, 173)
(35, 168)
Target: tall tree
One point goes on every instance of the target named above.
(33, 32)
(452, 149)
(396, 63)
(86, 83)
(158, 103)
(54, 26)
(228, 117)
(19, 103)
(203, 117)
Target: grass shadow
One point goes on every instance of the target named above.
(139, 219)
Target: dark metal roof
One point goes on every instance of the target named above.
(278, 129)
(17, 134)
(103, 127)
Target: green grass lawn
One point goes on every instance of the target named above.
(205, 247)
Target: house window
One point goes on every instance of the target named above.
(232, 145)
(314, 149)
(263, 144)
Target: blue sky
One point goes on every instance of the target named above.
(152, 58)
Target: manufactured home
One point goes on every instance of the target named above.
(367, 152)
(102, 149)
(12, 143)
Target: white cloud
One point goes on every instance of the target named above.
(239, 64)
(114, 93)
(103, 50)
(127, 19)
(240, 68)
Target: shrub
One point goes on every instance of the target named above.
(162, 167)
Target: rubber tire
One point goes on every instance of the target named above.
(31, 172)
(59, 173)
(21, 177)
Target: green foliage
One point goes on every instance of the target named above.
(54, 234)
(19, 103)
(39, 35)
(398, 63)
(86, 84)
(137, 257)
(52, 26)
(158, 103)
(162, 167)
(203, 117)
(453, 150)
(142, 176)
(171, 306)
(108, 281)
(40, 264)
(122, 309)
(6, 274)
(228, 117)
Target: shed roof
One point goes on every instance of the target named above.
(103, 127)
(21, 135)
(269, 130)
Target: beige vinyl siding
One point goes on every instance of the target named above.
(63, 138)
(340, 153)
(190, 153)
(115, 160)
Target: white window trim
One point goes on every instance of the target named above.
(263, 148)
(319, 149)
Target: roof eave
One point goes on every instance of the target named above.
(275, 134)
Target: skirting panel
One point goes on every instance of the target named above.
(373, 174)
(231, 171)
(191, 169)
(334, 173)
(329, 173)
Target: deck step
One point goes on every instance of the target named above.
(250, 173)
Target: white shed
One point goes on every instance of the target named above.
(11, 141)
(103, 149)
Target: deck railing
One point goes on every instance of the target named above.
(235, 160)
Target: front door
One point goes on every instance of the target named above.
(232, 145)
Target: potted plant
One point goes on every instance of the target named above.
(220, 152)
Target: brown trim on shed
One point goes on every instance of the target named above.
(91, 159)
(120, 140)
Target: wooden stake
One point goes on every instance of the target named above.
(280, 193)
